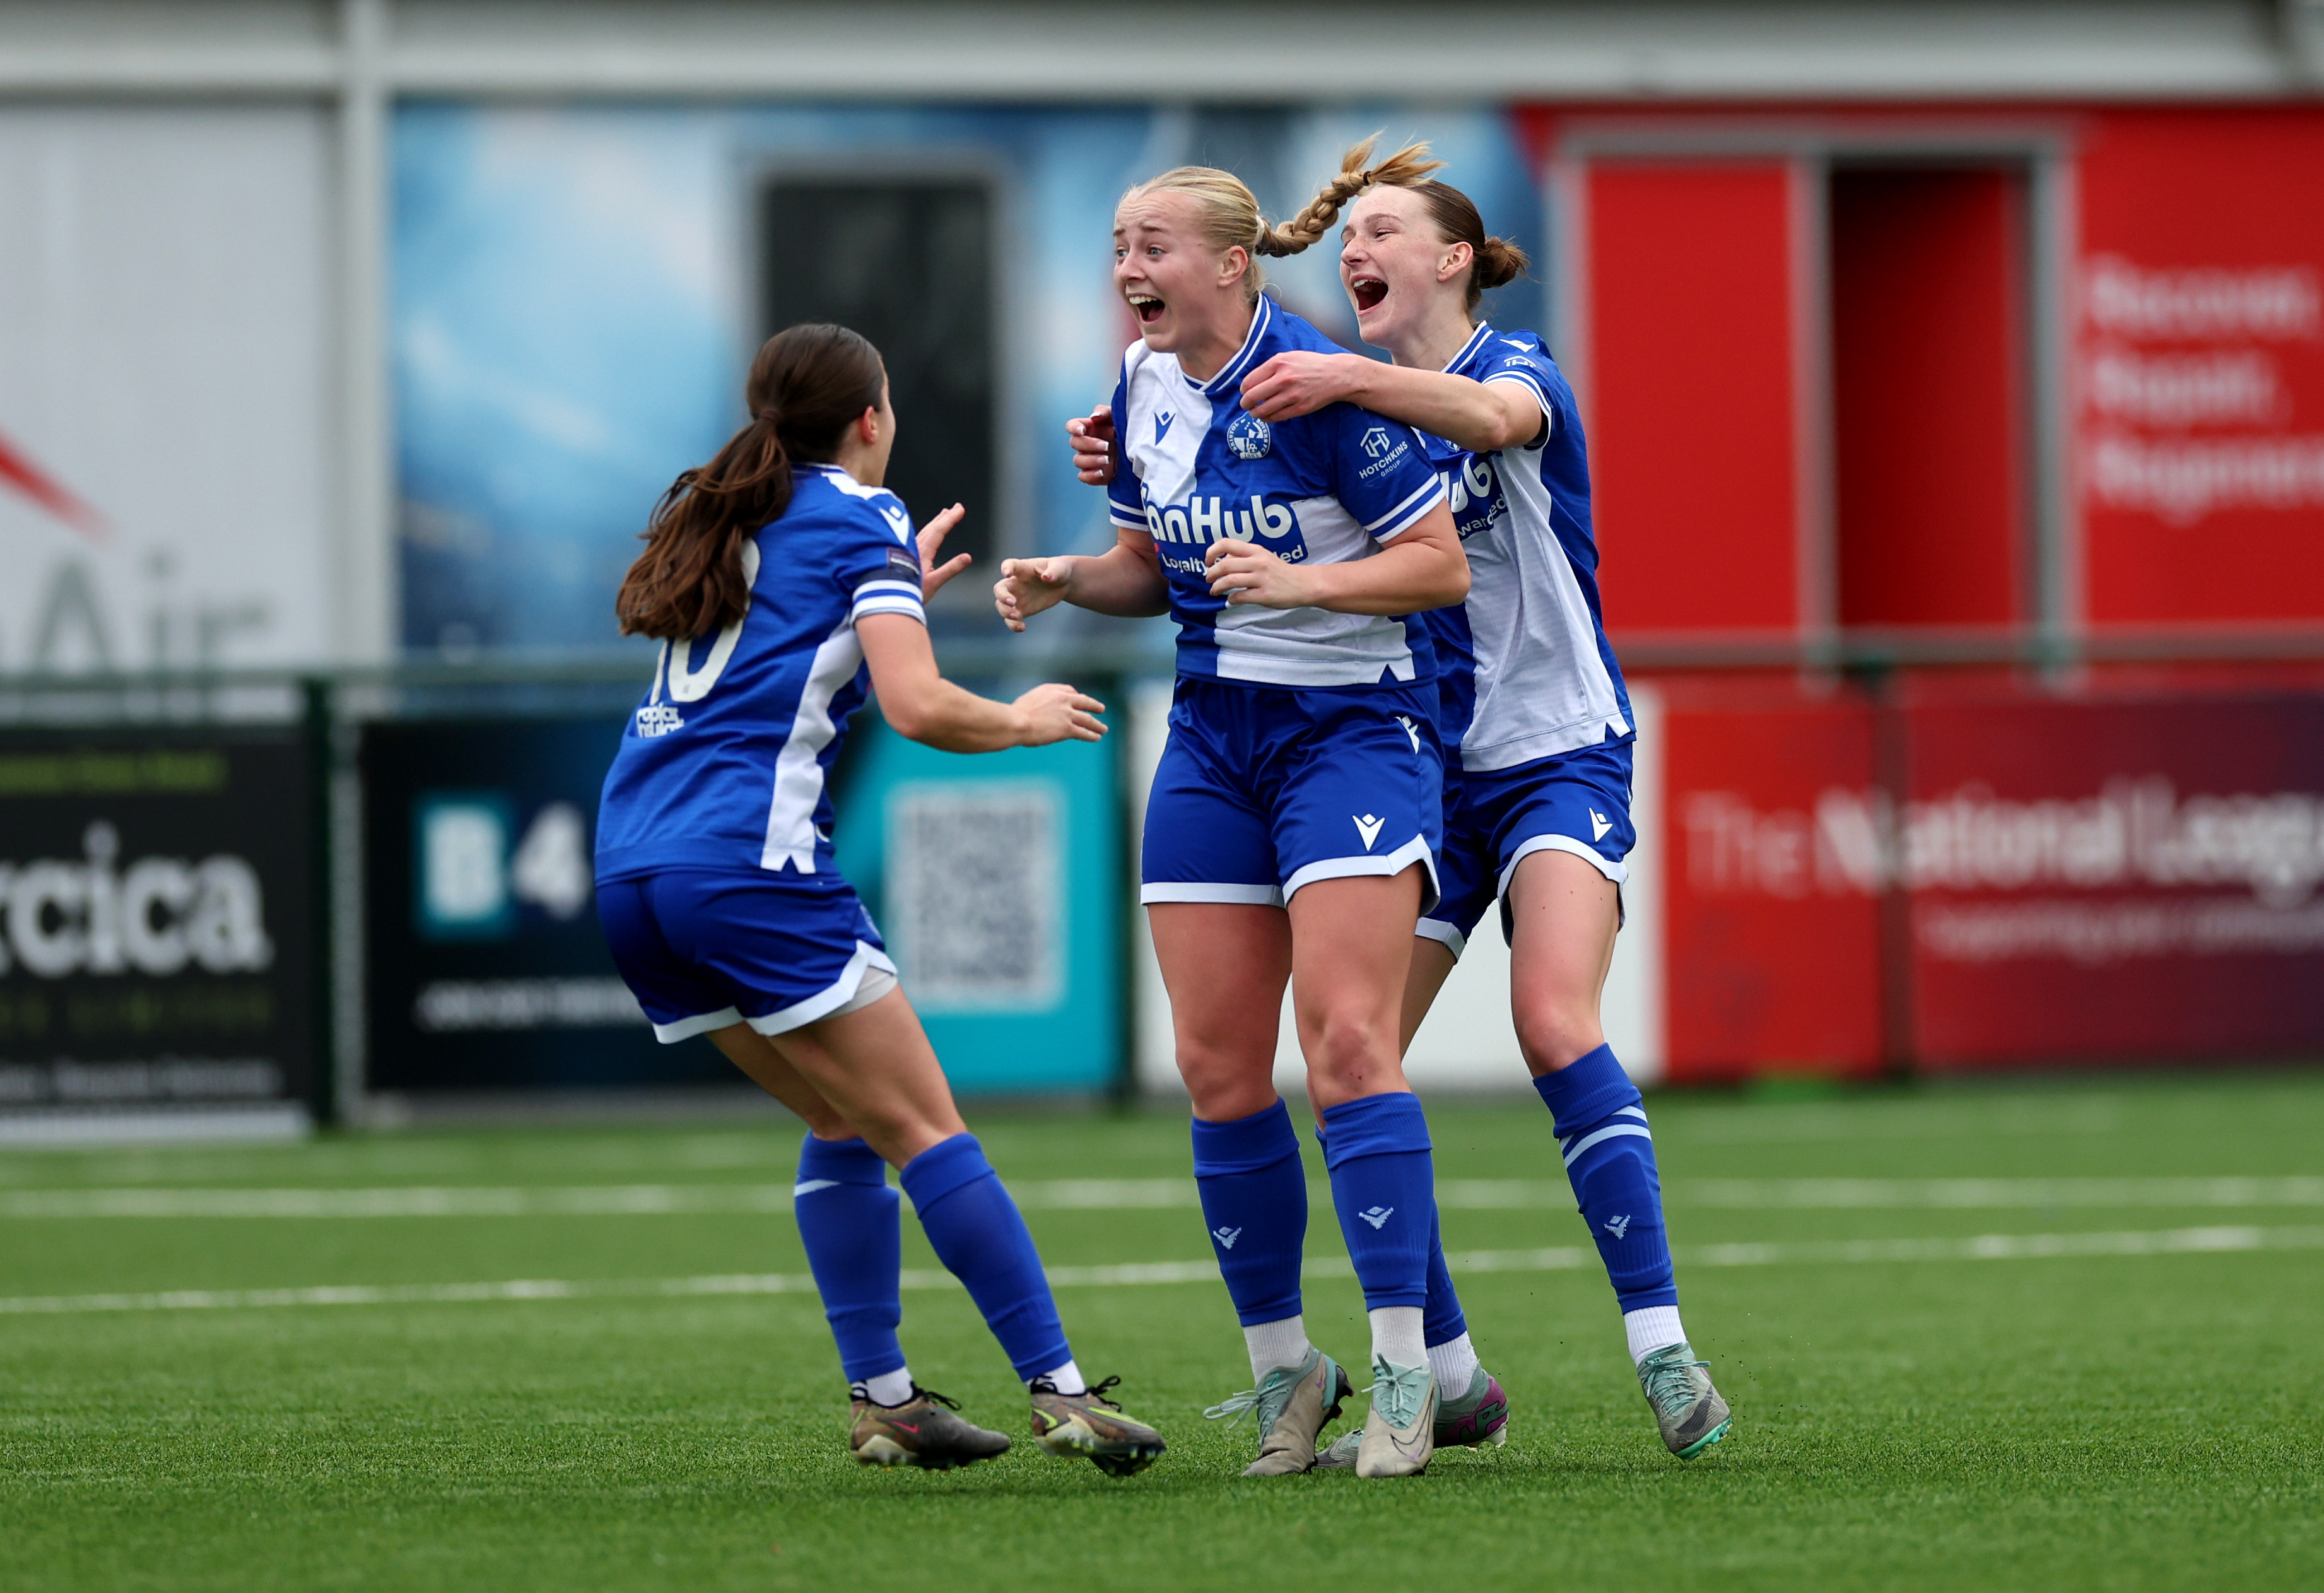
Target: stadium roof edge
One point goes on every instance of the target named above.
(1050, 50)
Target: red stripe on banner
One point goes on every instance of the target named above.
(29, 479)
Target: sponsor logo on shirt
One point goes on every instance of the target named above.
(1383, 450)
(1211, 519)
(658, 719)
(1475, 495)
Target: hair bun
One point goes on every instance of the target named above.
(1500, 262)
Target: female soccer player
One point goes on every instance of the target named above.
(1531, 702)
(1295, 815)
(777, 575)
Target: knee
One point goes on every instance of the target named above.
(1226, 1082)
(1350, 1054)
(1557, 1032)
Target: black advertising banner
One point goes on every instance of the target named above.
(487, 968)
(156, 919)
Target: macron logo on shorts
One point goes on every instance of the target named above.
(1411, 730)
(1369, 828)
(1599, 824)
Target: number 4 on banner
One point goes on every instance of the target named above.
(553, 866)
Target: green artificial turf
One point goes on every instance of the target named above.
(2118, 1421)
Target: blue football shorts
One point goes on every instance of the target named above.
(1577, 802)
(1263, 789)
(704, 950)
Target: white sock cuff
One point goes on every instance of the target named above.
(889, 1388)
(1654, 1327)
(1397, 1336)
(1455, 1362)
(1064, 1379)
(1280, 1343)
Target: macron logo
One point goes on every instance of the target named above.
(1411, 730)
(1369, 828)
(1378, 1215)
(1619, 1226)
(1162, 425)
(1599, 824)
(1226, 1236)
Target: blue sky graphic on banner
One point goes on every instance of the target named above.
(574, 311)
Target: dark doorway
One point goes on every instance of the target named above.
(1929, 394)
(908, 261)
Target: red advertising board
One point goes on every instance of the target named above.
(2108, 881)
(2023, 879)
(1772, 953)
(2200, 366)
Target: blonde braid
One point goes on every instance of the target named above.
(1404, 169)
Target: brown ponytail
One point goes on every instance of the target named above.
(805, 386)
(1496, 261)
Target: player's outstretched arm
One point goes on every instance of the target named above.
(1423, 569)
(1478, 416)
(922, 706)
(1126, 581)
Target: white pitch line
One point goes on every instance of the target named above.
(2030, 1193)
(1991, 1246)
(1473, 1194)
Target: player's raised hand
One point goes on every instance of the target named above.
(1058, 712)
(1299, 382)
(932, 538)
(1028, 585)
(1246, 573)
(1096, 456)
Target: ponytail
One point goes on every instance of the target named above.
(1408, 168)
(1495, 262)
(805, 386)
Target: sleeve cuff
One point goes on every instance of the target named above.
(1402, 518)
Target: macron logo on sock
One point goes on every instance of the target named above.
(1226, 1236)
(1380, 1214)
(1619, 1226)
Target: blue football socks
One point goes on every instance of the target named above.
(1384, 1186)
(1442, 1319)
(848, 1220)
(1254, 1193)
(975, 1229)
(1600, 1122)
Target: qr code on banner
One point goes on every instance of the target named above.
(973, 911)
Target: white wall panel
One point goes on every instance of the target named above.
(164, 303)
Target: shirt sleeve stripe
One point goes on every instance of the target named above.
(887, 584)
(888, 603)
(1524, 379)
(1426, 497)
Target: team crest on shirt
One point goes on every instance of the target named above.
(1249, 437)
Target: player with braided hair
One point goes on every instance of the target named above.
(1536, 722)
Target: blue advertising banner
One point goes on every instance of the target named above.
(997, 881)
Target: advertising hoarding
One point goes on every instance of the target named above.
(157, 921)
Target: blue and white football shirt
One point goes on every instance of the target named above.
(1524, 670)
(722, 766)
(1331, 486)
